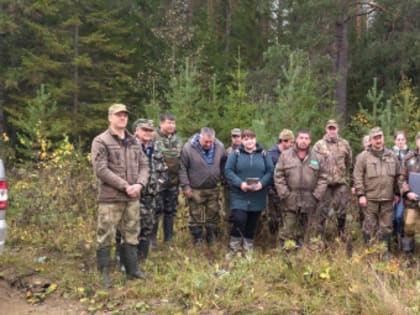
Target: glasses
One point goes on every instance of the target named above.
(332, 128)
(283, 140)
(235, 136)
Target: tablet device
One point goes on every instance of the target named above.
(414, 182)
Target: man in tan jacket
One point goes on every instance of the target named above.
(376, 175)
(122, 170)
(301, 180)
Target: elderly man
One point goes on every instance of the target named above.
(337, 154)
(285, 141)
(122, 171)
(301, 180)
(376, 176)
(202, 161)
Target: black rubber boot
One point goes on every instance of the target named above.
(196, 232)
(153, 236)
(211, 233)
(143, 249)
(341, 227)
(408, 244)
(130, 259)
(168, 228)
(103, 256)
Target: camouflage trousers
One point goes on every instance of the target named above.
(204, 207)
(123, 216)
(167, 201)
(147, 216)
(298, 225)
(336, 197)
(378, 219)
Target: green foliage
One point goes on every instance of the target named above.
(38, 125)
(400, 112)
(298, 103)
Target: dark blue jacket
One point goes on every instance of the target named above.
(241, 165)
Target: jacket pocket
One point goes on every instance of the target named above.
(371, 170)
(391, 168)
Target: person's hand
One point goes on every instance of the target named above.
(412, 196)
(362, 201)
(187, 192)
(353, 191)
(244, 186)
(133, 191)
(256, 187)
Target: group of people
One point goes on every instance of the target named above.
(140, 177)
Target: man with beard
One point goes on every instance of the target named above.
(301, 180)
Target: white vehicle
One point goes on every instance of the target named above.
(3, 205)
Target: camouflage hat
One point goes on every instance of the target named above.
(418, 135)
(143, 123)
(286, 134)
(117, 108)
(332, 123)
(235, 132)
(375, 131)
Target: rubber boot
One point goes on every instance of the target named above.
(153, 236)
(196, 233)
(341, 226)
(386, 239)
(103, 256)
(130, 260)
(118, 257)
(211, 232)
(168, 228)
(234, 247)
(408, 245)
(248, 245)
(143, 249)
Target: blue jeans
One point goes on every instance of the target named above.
(398, 219)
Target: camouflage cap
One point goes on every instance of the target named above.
(418, 135)
(235, 132)
(332, 123)
(375, 131)
(143, 123)
(117, 108)
(286, 134)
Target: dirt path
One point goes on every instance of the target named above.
(13, 303)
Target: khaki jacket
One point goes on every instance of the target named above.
(118, 165)
(338, 158)
(300, 184)
(376, 178)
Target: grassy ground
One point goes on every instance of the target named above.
(51, 252)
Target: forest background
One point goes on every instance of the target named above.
(258, 64)
(265, 64)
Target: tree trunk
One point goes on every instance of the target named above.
(341, 67)
(228, 30)
(76, 69)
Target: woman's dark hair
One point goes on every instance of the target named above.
(400, 132)
(248, 133)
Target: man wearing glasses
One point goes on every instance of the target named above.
(337, 154)
(286, 141)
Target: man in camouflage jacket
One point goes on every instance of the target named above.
(170, 145)
(337, 155)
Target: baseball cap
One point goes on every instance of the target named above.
(117, 108)
(286, 134)
(375, 131)
(143, 123)
(235, 132)
(332, 123)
